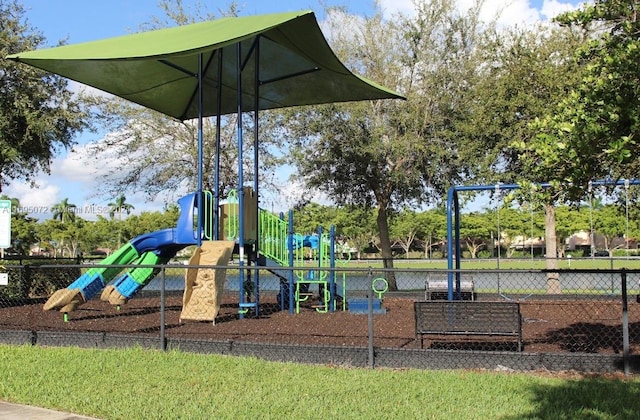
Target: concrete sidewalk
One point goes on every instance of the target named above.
(11, 411)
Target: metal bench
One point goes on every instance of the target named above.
(459, 317)
(439, 290)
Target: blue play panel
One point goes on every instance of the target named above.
(361, 306)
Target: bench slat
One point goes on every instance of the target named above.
(439, 289)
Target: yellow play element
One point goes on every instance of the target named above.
(66, 300)
(230, 218)
(112, 295)
(204, 286)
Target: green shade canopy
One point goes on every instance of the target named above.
(159, 69)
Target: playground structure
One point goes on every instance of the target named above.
(454, 251)
(245, 64)
(204, 286)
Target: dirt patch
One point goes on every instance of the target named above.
(576, 325)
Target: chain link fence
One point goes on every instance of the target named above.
(583, 320)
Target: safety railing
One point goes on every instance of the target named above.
(272, 237)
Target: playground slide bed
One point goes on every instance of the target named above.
(584, 326)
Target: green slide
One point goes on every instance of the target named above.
(128, 284)
(91, 282)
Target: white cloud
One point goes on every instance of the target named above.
(552, 8)
(76, 176)
(43, 197)
(83, 164)
(390, 7)
(513, 12)
(294, 192)
(77, 165)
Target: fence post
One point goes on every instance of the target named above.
(25, 284)
(625, 322)
(370, 318)
(163, 339)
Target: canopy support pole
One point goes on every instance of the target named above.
(241, 275)
(200, 154)
(256, 107)
(216, 187)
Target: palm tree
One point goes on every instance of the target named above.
(120, 206)
(64, 211)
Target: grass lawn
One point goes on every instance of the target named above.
(149, 384)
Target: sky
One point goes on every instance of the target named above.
(86, 20)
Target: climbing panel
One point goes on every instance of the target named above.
(204, 286)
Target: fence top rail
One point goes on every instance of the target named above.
(432, 274)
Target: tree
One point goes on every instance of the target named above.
(145, 222)
(309, 217)
(405, 228)
(593, 132)
(611, 224)
(38, 113)
(525, 70)
(99, 234)
(475, 231)
(64, 231)
(119, 206)
(433, 225)
(512, 224)
(570, 219)
(356, 226)
(159, 155)
(531, 69)
(64, 211)
(23, 233)
(69, 237)
(389, 154)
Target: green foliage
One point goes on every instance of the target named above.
(610, 223)
(474, 231)
(413, 231)
(405, 228)
(119, 206)
(593, 132)
(146, 222)
(64, 211)
(102, 233)
(525, 71)
(354, 225)
(38, 113)
(23, 233)
(570, 220)
(392, 154)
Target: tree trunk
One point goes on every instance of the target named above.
(385, 246)
(553, 278)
